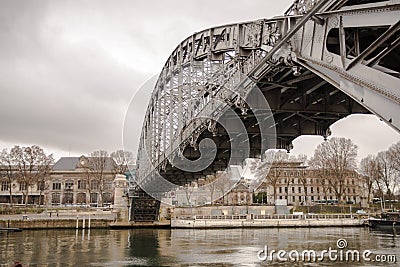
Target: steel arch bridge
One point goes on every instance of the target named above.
(316, 64)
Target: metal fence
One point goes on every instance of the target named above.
(269, 217)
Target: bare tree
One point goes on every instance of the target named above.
(210, 184)
(123, 159)
(394, 153)
(31, 165)
(304, 183)
(222, 184)
(87, 180)
(189, 189)
(42, 180)
(299, 158)
(387, 172)
(271, 168)
(334, 159)
(99, 163)
(7, 171)
(369, 168)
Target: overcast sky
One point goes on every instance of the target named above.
(68, 69)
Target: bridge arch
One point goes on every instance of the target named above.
(315, 65)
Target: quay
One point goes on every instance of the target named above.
(268, 221)
(197, 221)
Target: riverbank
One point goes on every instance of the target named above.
(268, 221)
(60, 219)
(87, 220)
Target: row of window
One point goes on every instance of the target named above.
(5, 186)
(311, 190)
(298, 173)
(93, 185)
(69, 185)
(318, 198)
(68, 198)
(311, 181)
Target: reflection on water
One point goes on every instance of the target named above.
(162, 247)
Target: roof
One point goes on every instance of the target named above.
(66, 164)
(71, 163)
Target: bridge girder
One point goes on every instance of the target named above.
(314, 66)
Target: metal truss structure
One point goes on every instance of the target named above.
(316, 64)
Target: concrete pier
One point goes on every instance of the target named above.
(267, 221)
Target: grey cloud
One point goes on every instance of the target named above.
(64, 94)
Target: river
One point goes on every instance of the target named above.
(188, 247)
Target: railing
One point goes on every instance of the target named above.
(269, 217)
(220, 217)
(305, 216)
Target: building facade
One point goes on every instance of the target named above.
(301, 185)
(81, 181)
(73, 181)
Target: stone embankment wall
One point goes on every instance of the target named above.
(53, 224)
(238, 223)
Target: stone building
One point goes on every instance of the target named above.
(36, 192)
(240, 194)
(82, 181)
(301, 185)
(73, 181)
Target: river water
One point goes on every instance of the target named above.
(188, 247)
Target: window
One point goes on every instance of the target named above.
(69, 185)
(299, 189)
(280, 190)
(81, 184)
(94, 185)
(56, 186)
(293, 190)
(55, 198)
(286, 190)
(107, 185)
(22, 186)
(68, 198)
(4, 186)
(354, 190)
(81, 198)
(93, 198)
(107, 198)
(312, 190)
(41, 185)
